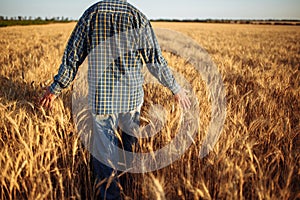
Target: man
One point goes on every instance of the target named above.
(117, 38)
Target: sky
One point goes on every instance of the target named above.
(166, 9)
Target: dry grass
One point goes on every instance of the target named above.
(257, 156)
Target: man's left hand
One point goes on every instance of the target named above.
(183, 99)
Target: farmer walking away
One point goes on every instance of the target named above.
(117, 39)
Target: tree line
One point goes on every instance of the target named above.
(236, 21)
(21, 20)
(24, 20)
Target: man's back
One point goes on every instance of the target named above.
(116, 37)
(115, 76)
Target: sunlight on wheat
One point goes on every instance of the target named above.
(256, 157)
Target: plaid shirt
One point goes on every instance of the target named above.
(117, 38)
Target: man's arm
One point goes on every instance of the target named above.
(75, 53)
(158, 66)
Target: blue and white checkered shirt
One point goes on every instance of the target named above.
(117, 38)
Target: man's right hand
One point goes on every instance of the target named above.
(47, 100)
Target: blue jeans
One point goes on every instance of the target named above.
(105, 128)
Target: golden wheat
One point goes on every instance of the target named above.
(256, 157)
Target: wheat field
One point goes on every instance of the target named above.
(256, 157)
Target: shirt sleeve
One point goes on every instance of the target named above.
(74, 55)
(155, 62)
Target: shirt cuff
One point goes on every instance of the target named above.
(175, 88)
(55, 88)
